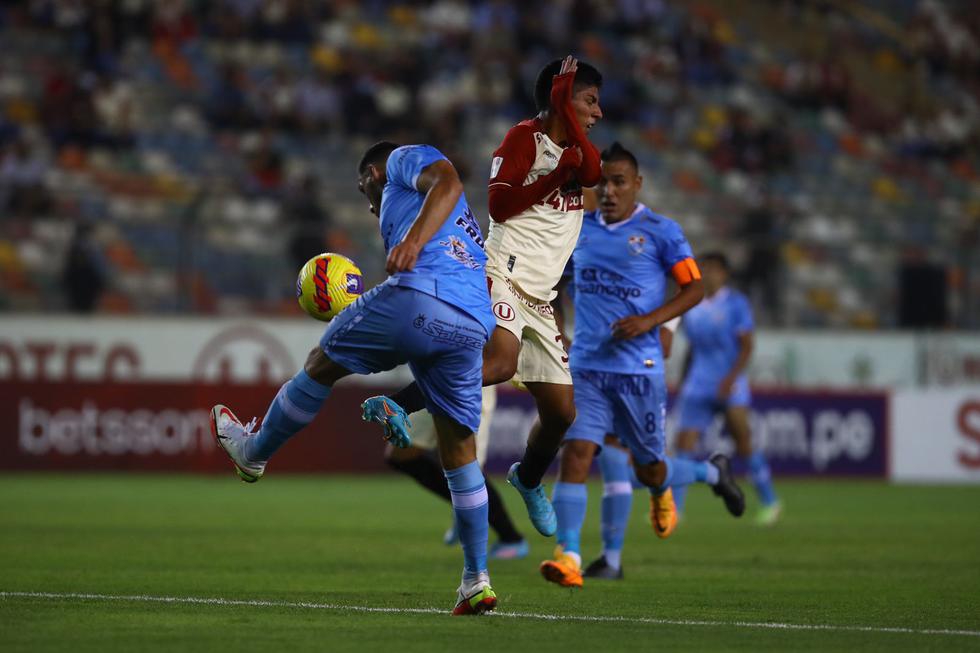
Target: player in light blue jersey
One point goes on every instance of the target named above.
(621, 263)
(433, 312)
(719, 334)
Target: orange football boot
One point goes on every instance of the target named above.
(562, 570)
(663, 514)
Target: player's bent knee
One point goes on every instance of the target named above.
(560, 417)
(498, 370)
(652, 474)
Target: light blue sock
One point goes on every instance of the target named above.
(295, 406)
(471, 509)
(761, 478)
(569, 501)
(682, 472)
(680, 491)
(617, 501)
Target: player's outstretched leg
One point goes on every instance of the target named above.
(296, 404)
(617, 502)
(680, 491)
(231, 434)
(659, 476)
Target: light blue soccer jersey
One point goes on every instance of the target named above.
(451, 265)
(712, 329)
(621, 270)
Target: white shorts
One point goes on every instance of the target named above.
(543, 358)
(424, 428)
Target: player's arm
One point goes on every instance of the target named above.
(743, 326)
(590, 169)
(507, 194)
(746, 343)
(442, 187)
(688, 278)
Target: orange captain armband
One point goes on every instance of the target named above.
(686, 271)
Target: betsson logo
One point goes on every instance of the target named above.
(92, 431)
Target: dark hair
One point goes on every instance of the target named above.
(586, 75)
(376, 154)
(617, 152)
(715, 256)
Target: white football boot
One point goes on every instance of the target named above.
(231, 436)
(475, 596)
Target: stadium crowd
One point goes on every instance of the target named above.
(189, 156)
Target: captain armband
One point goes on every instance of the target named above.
(686, 271)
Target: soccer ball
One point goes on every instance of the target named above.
(327, 284)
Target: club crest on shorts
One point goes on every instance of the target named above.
(636, 243)
(504, 311)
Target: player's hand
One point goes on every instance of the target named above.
(561, 93)
(632, 326)
(571, 158)
(402, 256)
(725, 387)
(568, 65)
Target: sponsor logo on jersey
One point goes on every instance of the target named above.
(594, 281)
(510, 263)
(504, 311)
(636, 243)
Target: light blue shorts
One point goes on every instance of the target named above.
(443, 345)
(633, 406)
(697, 409)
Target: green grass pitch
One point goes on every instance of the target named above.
(847, 555)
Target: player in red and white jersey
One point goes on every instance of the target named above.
(536, 208)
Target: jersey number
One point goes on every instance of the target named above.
(650, 423)
(560, 201)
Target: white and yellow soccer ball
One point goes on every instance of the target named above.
(327, 284)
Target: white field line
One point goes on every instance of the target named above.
(333, 607)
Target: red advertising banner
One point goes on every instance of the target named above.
(146, 426)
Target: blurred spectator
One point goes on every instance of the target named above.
(83, 276)
(22, 190)
(922, 291)
(762, 234)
